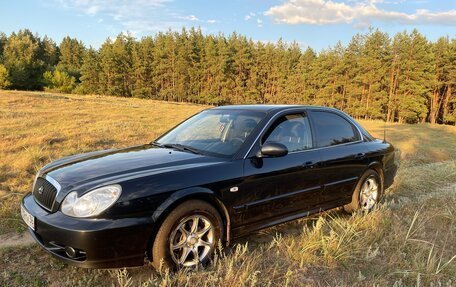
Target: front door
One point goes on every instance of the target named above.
(275, 187)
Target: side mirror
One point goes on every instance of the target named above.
(273, 149)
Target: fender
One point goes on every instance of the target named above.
(379, 167)
(194, 193)
(374, 164)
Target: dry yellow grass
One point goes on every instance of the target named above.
(420, 143)
(409, 240)
(36, 128)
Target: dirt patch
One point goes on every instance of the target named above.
(15, 239)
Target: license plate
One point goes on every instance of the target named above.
(28, 218)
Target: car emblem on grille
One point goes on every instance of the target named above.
(40, 190)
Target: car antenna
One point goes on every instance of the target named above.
(384, 129)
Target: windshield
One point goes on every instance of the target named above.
(216, 132)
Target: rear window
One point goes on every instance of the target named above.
(332, 129)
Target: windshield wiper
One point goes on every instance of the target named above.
(156, 144)
(180, 147)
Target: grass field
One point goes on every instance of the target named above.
(409, 240)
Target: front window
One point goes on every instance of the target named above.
(293, 131)
(219, 132)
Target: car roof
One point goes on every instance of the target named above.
(265, 108)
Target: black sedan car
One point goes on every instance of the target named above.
(220, 174)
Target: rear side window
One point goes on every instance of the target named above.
(332, 129)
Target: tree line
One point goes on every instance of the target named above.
(404, 78)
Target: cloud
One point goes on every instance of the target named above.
(193, 18)
(249, 16)
(356, 12)
(189, 18)
(92, 10)
(259, 23)
(136, 16)
(255, 17)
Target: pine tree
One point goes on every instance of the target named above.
(185, 82)
(374, 66)
(295, 86)
(242, 62)
(415, 78)
(23, 57)
(328, 77)
(4, 77)
(192, 64)
(3, 42)
(353, 92)
(116, 66)
(212, 72)
(71, 57)
(164, 62)
(90, 73)
(48, 52)
(449, 101)
(143, 68)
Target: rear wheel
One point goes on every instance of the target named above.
(367, 193)
(188, 236)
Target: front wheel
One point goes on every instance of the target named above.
(367, 193)
(188, 236)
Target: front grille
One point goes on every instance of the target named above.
(44, 193)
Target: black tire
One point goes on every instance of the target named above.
(355, 205)
(161, 250)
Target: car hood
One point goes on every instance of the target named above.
(109, 166)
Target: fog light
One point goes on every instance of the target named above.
(71, 252)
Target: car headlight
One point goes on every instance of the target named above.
(91, 203)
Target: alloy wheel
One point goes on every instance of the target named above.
(369, 193)
(192, 240)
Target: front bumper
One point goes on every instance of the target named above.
(99, 243)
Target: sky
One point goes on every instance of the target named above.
(315, 23)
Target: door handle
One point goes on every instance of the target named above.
(361, 155)
(309, 164)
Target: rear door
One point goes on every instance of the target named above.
(342, 158)
(277, 186)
